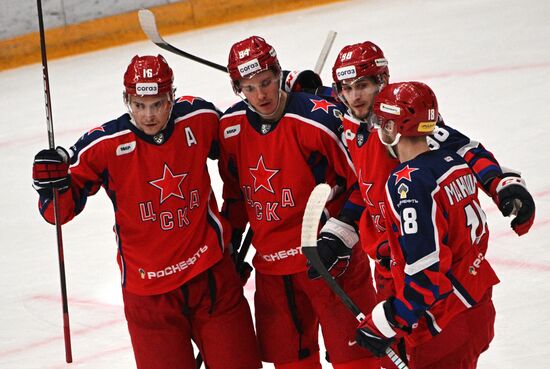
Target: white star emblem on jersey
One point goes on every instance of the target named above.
(262, 176)
(169, 184)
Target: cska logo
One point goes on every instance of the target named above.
(262, 176)
(169, 184)
(321, 104)
(404, 173)
(265, 128)
(360, 139)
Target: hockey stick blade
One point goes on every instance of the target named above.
(324, 52)
(310, 225)
(149, 26)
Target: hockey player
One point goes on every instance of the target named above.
(178, 280)
(438, 238)
(276, 146)
(359, 73)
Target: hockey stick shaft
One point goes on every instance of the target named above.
(310, 226)
(244, 250)
(51, 140)
(324, 52)
(149, 26)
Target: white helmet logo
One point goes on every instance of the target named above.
(150, 88)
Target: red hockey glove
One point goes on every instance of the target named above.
(50, 170)
(379, 329)
(510, 194)
(334, 245)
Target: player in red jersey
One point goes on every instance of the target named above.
(438, 239)
(360, 71)
(276, 146)
(178, 281)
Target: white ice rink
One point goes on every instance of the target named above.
(487, 61)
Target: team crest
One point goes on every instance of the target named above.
(360, 139)
(321, 104)
(158, 138)
(404, 174)
(262, 176)
(265, 128)
(169, 184)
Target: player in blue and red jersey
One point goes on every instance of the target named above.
(276, 146)
(438, 239)
(178, 280)
(359, 73)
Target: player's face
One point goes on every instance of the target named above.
(359, 94)
(262, 92)
(150, 113)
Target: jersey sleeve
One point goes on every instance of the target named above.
(348, 204)
(331, 146)
(233, 207)
(354, 205)
(416, 237)
(479, 159)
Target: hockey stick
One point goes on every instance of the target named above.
(49, 123)
(241, 254)
(310, 225)
(149, 27)
(324, 52)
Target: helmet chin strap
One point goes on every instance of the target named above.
(390, 146)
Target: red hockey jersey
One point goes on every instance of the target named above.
(373, 164)
(167, 224)
(438, 238)
(270, 169)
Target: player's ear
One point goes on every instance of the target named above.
(389, 127)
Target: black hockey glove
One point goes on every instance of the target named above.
(244, 269)
(510, 193)
(383, 255)
(50, 170)
(379, 329)
(301, 81)
(334, 245)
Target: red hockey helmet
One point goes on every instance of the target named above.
(250, 57)
(412, 106)
(148, 75)
(360, 60)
